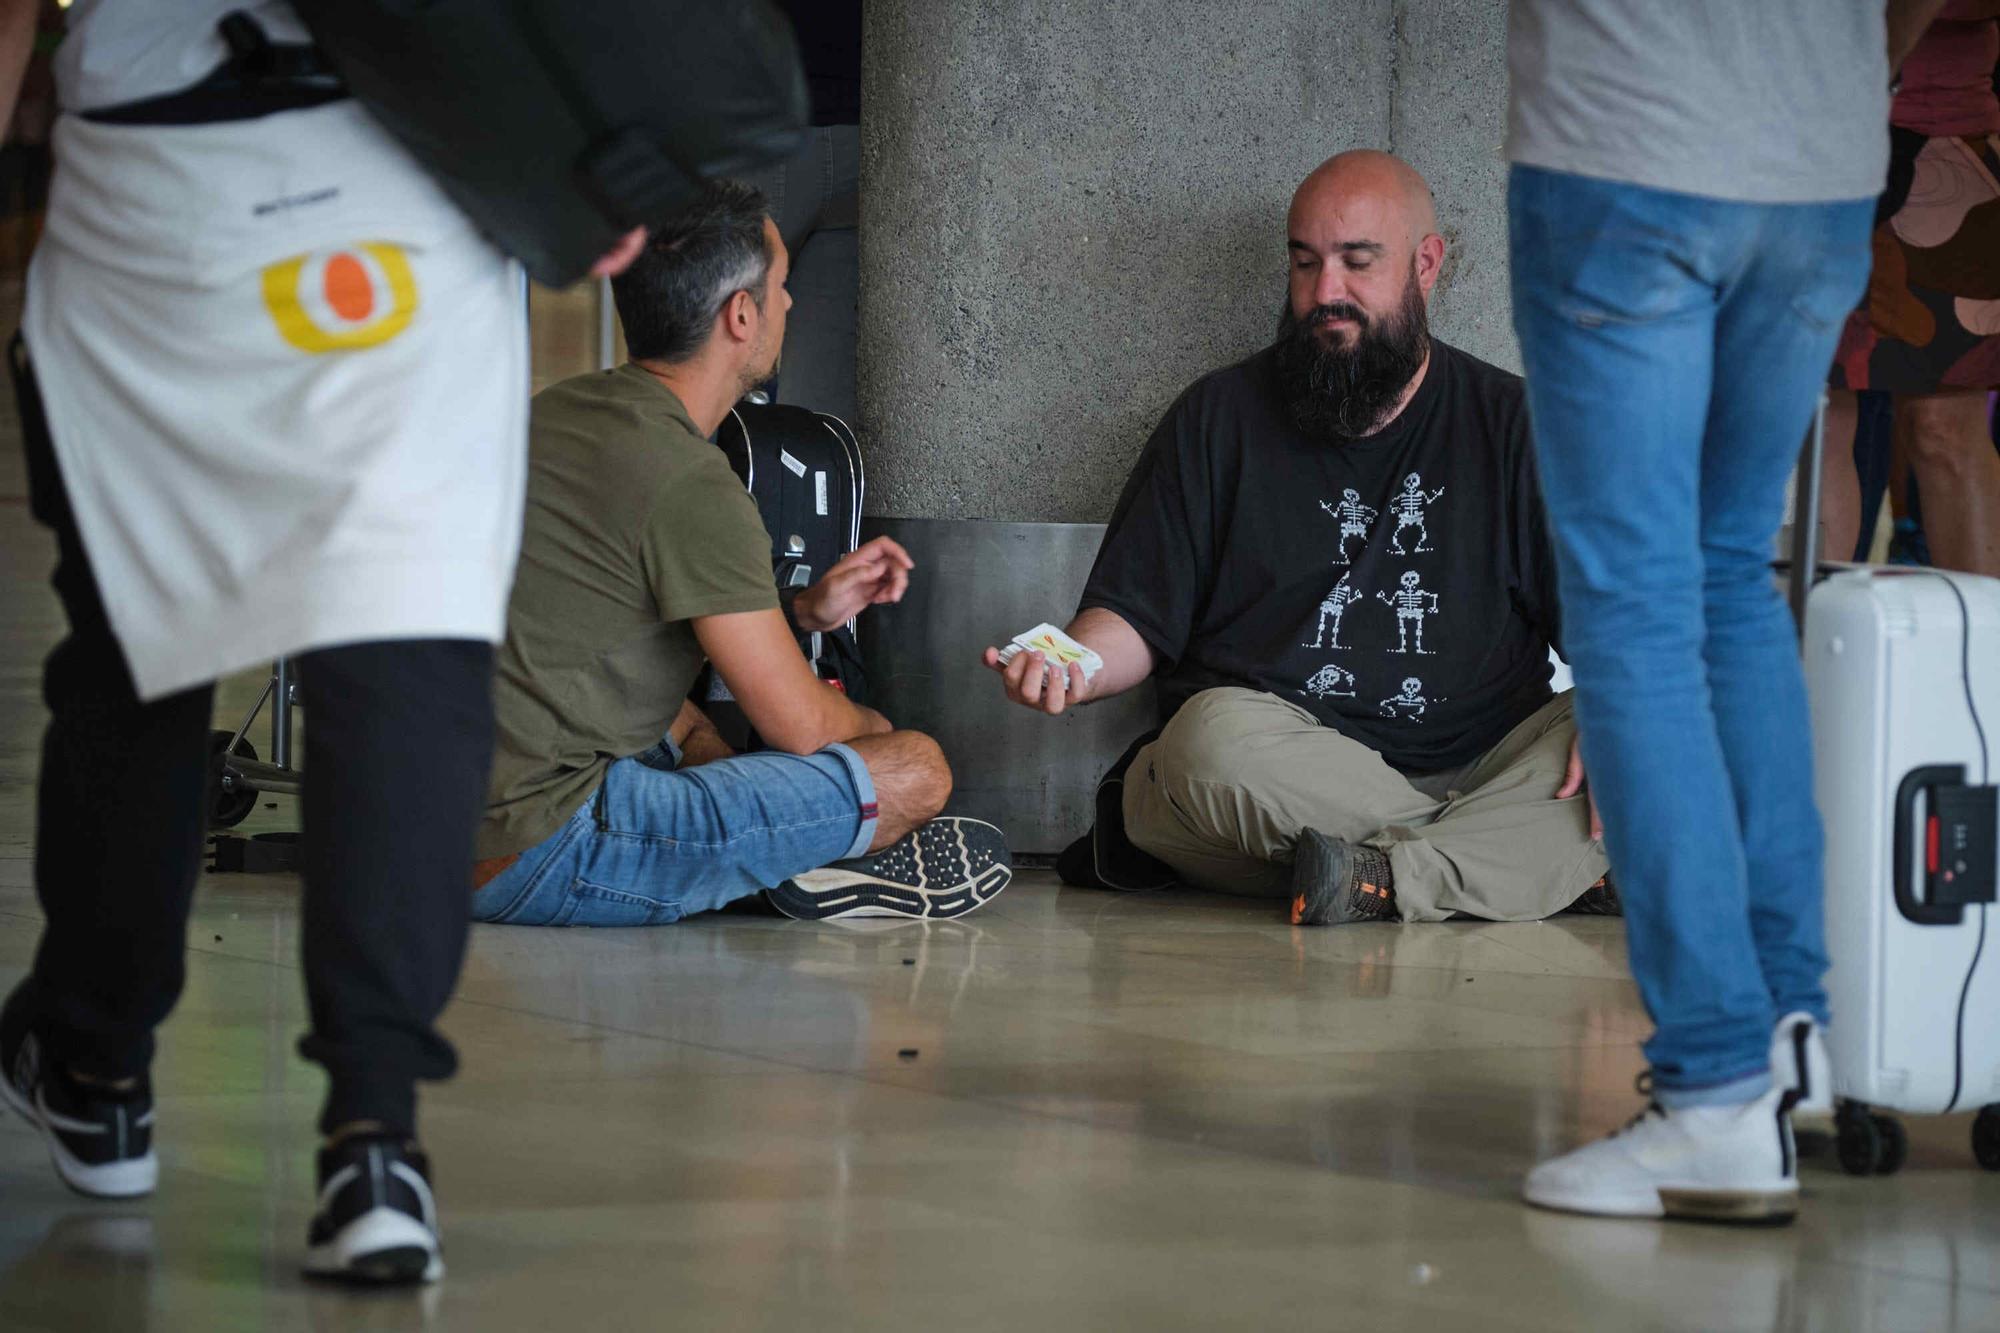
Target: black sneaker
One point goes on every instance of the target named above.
(1334, 882)
(100, 1139)
(377, 1219)
(944, 869)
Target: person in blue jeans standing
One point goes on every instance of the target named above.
(1689, 209)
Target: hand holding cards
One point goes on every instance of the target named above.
(1058, 648)
(1065, 669)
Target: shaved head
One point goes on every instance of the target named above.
(1369, 185)
(1365, 251)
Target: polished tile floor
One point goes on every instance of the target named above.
(1073, 1111)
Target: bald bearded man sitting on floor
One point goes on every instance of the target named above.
(1332, 558)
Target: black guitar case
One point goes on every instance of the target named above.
(805, 472)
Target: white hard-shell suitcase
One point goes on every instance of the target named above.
(1903, 670)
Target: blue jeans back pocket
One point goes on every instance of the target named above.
(591, 904)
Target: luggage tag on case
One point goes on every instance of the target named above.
(1058, 648)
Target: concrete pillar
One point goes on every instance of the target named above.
(1073, 208)
(1449, 119)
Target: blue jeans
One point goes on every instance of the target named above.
(657, 843)
(1675, 347)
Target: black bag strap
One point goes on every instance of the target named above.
(256, 59)
(258, 78)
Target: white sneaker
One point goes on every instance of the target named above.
(1715, 1163)
(1799, 1063)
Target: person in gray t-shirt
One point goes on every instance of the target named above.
(1689, 206)
(1758, 101)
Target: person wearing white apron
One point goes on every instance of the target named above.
(281, 411)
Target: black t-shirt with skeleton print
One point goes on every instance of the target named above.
(1400, 586)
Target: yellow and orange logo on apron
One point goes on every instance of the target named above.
(342, 300)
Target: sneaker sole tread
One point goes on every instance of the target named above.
(863, 897)
(948, 849)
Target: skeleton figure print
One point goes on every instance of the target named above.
(1330, 610)
(1331, 682)
(1354, 518)
(1409, 704)
(1408, 508)
(1411, 604)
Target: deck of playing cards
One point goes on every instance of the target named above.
(1059, 648)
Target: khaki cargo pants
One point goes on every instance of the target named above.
(1222, 794)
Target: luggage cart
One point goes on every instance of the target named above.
(237, 777)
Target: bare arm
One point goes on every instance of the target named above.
(792, 709)
(17, 43)
(1907, 20)
(876, 574)
(698, 740)
(1128, 659)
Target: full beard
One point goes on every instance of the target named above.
(1341, 392)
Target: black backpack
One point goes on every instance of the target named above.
(556, 126)
(804, 470)
(1104, 858)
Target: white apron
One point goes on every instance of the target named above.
(287, 384)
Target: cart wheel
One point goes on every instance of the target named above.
(1895, 1144)
(1859, 1142)
(228, 808)
(1986, 1138)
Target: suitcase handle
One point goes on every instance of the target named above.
(1914, 783)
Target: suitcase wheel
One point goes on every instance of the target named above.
(1869, 1143)
(1895, 1145)
(1986, 1138)
(231, 805)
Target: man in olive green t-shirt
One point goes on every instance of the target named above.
(613, 801)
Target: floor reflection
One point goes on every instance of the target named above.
(89, 1268)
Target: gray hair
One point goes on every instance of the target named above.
(694, 262)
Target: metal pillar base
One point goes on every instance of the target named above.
(977, 585)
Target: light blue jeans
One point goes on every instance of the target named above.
(658, 842)
(1675, 347)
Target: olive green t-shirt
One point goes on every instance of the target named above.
(635, 525)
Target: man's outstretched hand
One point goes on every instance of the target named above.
(1574, 782)
(1030, 686)
(1127, 662)
(876, 573)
